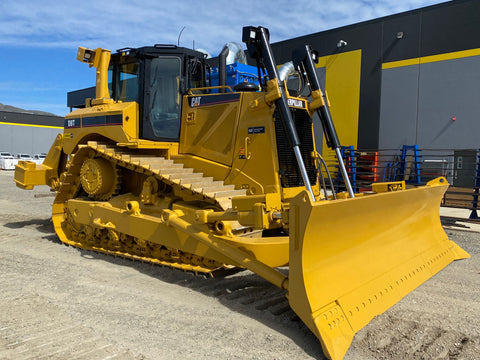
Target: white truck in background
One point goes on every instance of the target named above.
(7, 161)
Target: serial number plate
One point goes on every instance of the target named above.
(256, 130)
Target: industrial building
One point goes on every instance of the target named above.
(28, 133)
(410, 78)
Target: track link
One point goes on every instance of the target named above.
(186, 184)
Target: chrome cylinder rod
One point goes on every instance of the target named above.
(303, 171)
(343, 169)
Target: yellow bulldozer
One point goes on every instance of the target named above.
(164, 168)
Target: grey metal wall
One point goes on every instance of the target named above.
(26, 139)
(435, 105)
(30, 133)
(398, 109)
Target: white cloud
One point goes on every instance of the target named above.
(208, 23)
(25, 86)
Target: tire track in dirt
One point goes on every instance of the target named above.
(406, 339)
(248, 293)
(33, 328)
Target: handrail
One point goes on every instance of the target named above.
(190, 91)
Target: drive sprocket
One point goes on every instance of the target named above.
(99, 178)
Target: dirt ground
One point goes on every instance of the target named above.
(59, 302)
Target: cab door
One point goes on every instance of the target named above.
(162, 101)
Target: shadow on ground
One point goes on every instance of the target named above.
(240, 291)
(43, 225)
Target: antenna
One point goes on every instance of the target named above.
(179, 35)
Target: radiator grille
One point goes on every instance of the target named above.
(289, 171)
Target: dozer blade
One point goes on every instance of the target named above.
(352, 259)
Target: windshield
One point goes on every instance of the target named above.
(165, 97)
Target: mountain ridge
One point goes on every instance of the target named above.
(10, 108)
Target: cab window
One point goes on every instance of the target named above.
(127, 85)
(123, 81)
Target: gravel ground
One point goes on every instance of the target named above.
(59, 302)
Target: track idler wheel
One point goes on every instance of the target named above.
(99, 178)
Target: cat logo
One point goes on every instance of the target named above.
(195, 101)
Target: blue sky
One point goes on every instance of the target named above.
(39, 39)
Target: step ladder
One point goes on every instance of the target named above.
(415, 165)
(396, 170)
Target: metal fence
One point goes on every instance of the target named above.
(416, 167)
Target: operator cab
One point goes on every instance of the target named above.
(156, 78)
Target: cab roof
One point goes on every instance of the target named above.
(159, 49)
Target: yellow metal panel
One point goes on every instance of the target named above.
(209, 131)
(125, 133)
(342, 85)
(255, 163)
(131, 121)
